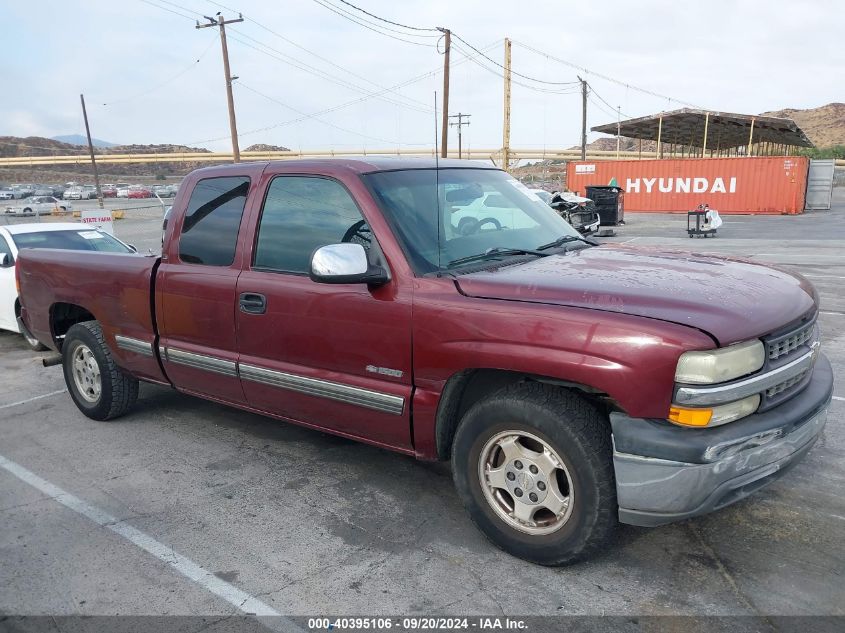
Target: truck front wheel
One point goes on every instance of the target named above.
(533, 466)
(97, 385)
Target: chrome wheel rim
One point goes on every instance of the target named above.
(525, 482)
(86, 373)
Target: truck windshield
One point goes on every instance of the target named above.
(448, 218)
(82, 240)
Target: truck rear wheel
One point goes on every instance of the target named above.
(533, 466)
(97, 385)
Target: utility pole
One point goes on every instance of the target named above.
(233, 126)
(459, 124)
(618, 126)
(447, 44)
(583, 119)
(506, 128)
(91, 151)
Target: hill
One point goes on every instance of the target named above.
(263, 147)
(825, 125)
(79, 139)
(40, 146)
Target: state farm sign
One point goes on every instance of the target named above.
(98, 219)
(730, 185)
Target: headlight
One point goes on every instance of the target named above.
(714, 416)
(720, 365)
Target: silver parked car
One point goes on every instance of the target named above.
(74, 193)
(40, 205)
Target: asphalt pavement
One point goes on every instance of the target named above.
(181, 504)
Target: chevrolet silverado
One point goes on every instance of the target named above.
(441, 310)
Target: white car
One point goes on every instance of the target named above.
(474, 210)
(40, 205)
(74, 193)
(122, 192)
(544, 195)
(64, 235)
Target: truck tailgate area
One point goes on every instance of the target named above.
(115, 288)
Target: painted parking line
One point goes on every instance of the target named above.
(840, 398)
(241, 600)
(33, 399)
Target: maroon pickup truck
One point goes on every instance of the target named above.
(443, 311)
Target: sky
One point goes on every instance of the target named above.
(149, 76)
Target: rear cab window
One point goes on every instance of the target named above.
(212, 221)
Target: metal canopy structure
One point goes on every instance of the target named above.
(708, 130)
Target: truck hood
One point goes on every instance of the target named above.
(731, 299)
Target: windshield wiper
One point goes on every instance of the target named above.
(494, 252)
(565, 239)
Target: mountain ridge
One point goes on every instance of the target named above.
(81, 139)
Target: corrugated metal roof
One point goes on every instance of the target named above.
(724, 129)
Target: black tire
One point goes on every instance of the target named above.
(580, 436)
(118, 392)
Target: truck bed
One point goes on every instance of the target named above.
(114, 288)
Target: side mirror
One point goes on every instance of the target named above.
(345, 264)
(5, 260)
(133, 248)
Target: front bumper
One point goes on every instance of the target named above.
(666, 473)
(590, 228)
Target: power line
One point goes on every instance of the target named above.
(334, 9)
(492, 61)
(381, 26)
(283, 57)
(158, 6)
(298, 63)
(343, 129)
(372, 15)
(340, 106)
(167, 81)
(604, 101)
(179, 6)
(600, 107)
(607, 78)
(312, 53)
(518, 83)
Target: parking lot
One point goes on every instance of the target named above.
(305, 523)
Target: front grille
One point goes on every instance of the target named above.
(787, 343)
(771, 392)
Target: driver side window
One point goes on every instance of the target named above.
(301, 214)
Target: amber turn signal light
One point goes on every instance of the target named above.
(690, 417)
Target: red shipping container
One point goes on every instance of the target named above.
(775, 185)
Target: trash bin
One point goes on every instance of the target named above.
(609, 202)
